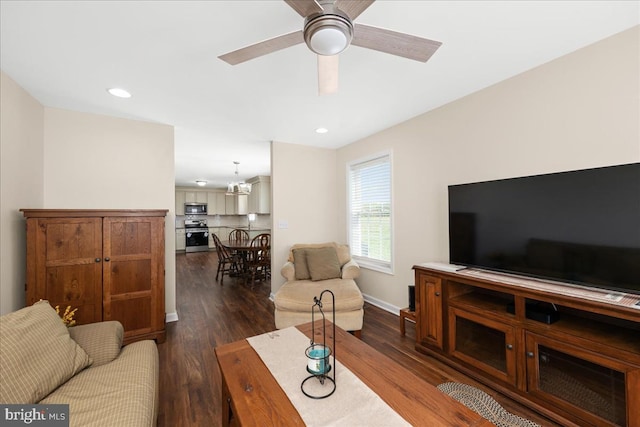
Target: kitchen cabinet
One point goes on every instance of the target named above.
(181, 242)
(216, 203)
(195, 197)
(230, 204)
(223, 232)
(242, 204)
(260, 197)
(221, 204)
(109, 264)
(212, 203)
(180, 201)
(236, 204)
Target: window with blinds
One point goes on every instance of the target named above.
(370, 212)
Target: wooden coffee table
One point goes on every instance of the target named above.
(252, 397)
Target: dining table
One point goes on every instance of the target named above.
(238, 245)
(243, 248)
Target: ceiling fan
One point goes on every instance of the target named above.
(328, 30)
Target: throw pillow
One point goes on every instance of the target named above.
(310, 245)
(37, 354)
(323, 263)
(102, 340)
(300, 263)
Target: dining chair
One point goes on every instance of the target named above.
(227, 261)
(259, 260)
(238, 234)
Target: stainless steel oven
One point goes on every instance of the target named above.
(196, 235)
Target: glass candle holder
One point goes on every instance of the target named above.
(318, 359)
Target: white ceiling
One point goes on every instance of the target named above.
(67, 53)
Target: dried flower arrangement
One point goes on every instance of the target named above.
(67, 316)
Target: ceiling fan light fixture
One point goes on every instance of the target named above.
(328, 41)
(328, 34)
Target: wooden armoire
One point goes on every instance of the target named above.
(109, 264)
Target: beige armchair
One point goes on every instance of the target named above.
(310, 269)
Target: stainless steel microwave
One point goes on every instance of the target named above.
(195, 208)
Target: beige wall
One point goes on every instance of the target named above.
(21, 184)
(303, 182)
(579, 111)
(100, 162)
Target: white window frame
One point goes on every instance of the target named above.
(366, 262)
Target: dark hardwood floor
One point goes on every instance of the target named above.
(211, 315)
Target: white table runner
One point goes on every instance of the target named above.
(352, 404)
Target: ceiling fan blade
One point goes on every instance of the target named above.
(327, 74)
(353, 8)
(263, 48)
(305, 7)
(395, 43)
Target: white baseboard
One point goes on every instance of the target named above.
(382, 304)
(171, 317)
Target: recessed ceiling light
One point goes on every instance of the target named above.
(201, 183)
(120, 93)
(322, 130)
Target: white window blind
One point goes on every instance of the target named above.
(370, 212)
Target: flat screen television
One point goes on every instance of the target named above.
(580, 227)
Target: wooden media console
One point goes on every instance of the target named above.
(571, 353)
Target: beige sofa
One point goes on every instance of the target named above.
(43, 361)
(310, 269)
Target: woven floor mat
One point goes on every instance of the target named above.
(485, 405)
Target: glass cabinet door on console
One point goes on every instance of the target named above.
(597, 387)
(486, 344)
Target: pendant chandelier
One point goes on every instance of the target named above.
(238, 187)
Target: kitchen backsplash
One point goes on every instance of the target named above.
(262, 221)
